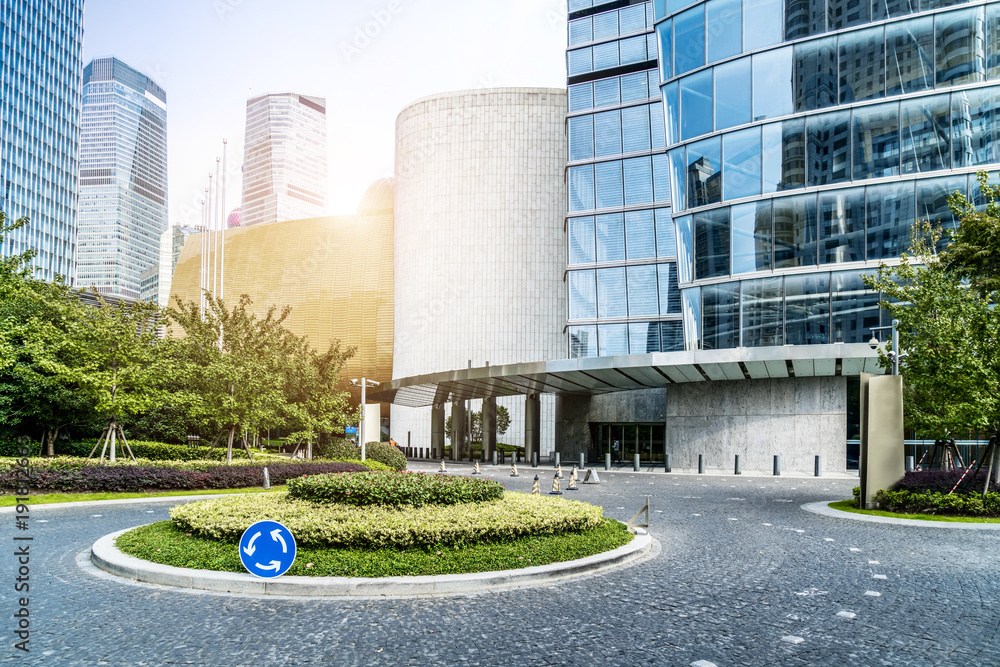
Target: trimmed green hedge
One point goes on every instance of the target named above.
(956, 504)
(77, 462)
(385, 453)
(154, 451)
(376, 526)
(398, 488)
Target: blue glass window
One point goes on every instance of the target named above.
(656, 131)
(961, 49)
(643, 337)
(975, 115)
(664, 32)
(909, 56)
(635, 87)
(772, 83)
(828, 148)
(580, 61)
(611, 292)
(876, 141)
(583, 341)
(847, 13)
(712, 238)
(677, 5)
(666, 241)
(633, 50)
(854, 307)
(816, 74)
(842, 226)
(581, 137)
(751, 226)
(635, 129)
(691, 316)
(638, 181)
(689, 31)
(732, 94)
(581, 240)
(678, 193)
(783, 155)
(924, 130)
(582, 295)
(725, 29)
(581, 97)
(640, 235)
(610, 238)
(890, 217)
(663, 280)
(608, 133)
(671, 336)
(804, 18)
(762, 312)
(581, 31)
(993, 40)
(720, 316)
(661, 178)
(741, 169)
(761, 23)
(794, 231)
(613, 339)
(887, 9)
(606, 92)
(581, 188)
(685, 248)
(659, 9)
(862, 64)
(642, 296)
(696, 104)
(631, 19)
(671, 113)
(807, 309)
(704, 172)
(932, 202)
(608, 183)
(606, 25)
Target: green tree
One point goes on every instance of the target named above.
(503, 423)
(973, 253)
(315, 402)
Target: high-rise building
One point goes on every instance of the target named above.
(285, 163)
(123, 178)
(41, 62)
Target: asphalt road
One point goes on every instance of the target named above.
(743, 577)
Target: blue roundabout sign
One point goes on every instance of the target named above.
(267, 549)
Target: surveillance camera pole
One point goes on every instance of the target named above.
(361, 426)
(894, 353)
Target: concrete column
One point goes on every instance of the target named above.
(437, 431)
(457, 430)
(532, 425)
(489, 427)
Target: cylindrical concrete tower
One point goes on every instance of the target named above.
(479, 244)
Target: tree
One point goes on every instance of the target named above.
(974, 251)
(503, 423)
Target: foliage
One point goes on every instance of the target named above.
(337, 448)
(956, 504)
(385, 453)
(974, 251)
(375, 526)
(59, 498)
(165, 543)
(503, 423)
(398, 488)
(942, 481)
(155, 451)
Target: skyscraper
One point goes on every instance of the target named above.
(123, 177)
(284, 171)
(41, 58)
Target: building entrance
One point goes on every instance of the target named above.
(646, 440)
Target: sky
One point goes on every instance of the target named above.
(368, 58)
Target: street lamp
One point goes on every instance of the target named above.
(364, 383)
(894, 354)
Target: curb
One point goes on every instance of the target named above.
(823, 509)
(118, 501)
(106, 556)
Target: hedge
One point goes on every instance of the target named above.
(131, 478)
(382, 452)
(942, 481)
(397, 488)
(154, 451)
(314, 524)
(955, 504)
(76, 462)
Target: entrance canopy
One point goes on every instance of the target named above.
(602, 375)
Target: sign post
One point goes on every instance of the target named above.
(267, 549)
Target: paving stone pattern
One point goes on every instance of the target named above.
(742, 571)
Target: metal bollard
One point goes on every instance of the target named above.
(494, 457)
(666, 463)
(534, 459)
(777, 464)
(607, 461)
(701, 464)
(909, 463)
(635, 463)
(267, 479)
(558, 461)
(583, 461)
(818, 466)
(739, 467)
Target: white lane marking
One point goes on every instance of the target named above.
(792, 639)
(702, 663)
(846, 614)
(879, 576)
(828, 539)
(695, 515)
(874, 562)
(96, 515)
(855, 550)
(733, 519)
(767, 524)
(149, 511)
(873, 594)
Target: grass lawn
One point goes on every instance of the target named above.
(164, 543)
(10, 501)
(848, 506)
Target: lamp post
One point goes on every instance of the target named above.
(894, 354)
(364, 384)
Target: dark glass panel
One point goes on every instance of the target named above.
(696, 104)
(671, 337)
(643, 337)
(804, 18)
(689, 40)
(751, 224)
(974, 135)
(807, 309)
(862, 65)
(932, 202)
(741, 172)
(720, 316)
(828, 148)
(711, 242)
(784, 155)
(842, 226)
(924, 132)
(909, 56)
(854, 308)
(816, 74)
(794, 231)
(704, 172)
(674, 296)
(847, 13)
(888, 9)
(583, 341)
(961, 50)
(876, 141)
(890, 217)
(762, 312)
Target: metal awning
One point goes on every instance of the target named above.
(603, 375)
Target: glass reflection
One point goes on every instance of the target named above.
(633, 50)
(666, 245)
(924, 130)
(932, 203)
(760, 28)
(611, 292)
(862, 64)
(661, 178)
(711, 238)
(732, 94)
(581, 137)
(720, 316)
(751, 225)
(582, 341)
(581, 97)
(606, 92)
(762, 312)
(828, 148)
(854, 308)
(663, 32)
(678, 192)
(689, 40)
(608, 184)
(643, 337)
(640, 235)
(638, 181)
(816, 74)
(696, 104)
(635, 129)
(847, 13)
(804, 18)
(605, 55)
(605, 25)
(974, 117)
(993, 40)
(876, 141)
(610, 238)
(657, 134)
(784, 155)
(724, 28)
(807, 309)
(582, 295)
(910, 56)
(643, 300)
(842, 226)
(886, 9)
(691, 316)
(672, 113)
(890, 217)
(794, 231)
(961, 48)
(772, 79)
(663, 284)
(671, 336)
(581, 240)
(685, 248)
(613, 339)
(741, 171)
(704, 172)
(581, 188)
(608, 130)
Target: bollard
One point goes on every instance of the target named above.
(777, 464)
(635, 463)
(267, 479)
(607, 461)
(909, 464)
(534, 459)
(534, 487)
(739, 467)
(583, 461)
(818, 466)
(666, 463)
(701, 464)
(475, 468)
(558, 461)
(494, 457)
(555, 487)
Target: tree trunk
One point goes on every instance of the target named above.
(50, 441)
(229, 447)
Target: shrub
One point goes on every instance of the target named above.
(313, 524)
(942, 481)
(338, 448)
(955, 504)
(385, 453)
(396, 488)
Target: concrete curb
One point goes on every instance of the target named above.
(106, 556)
(117, 501)
(823, 509)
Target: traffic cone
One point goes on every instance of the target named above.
(559, 471)
(534, 487)
(442, 469)
(513, 470)
(475, 469)
(555, 487)
(572, 480)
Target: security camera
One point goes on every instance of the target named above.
(873, 343)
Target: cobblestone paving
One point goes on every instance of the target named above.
(742, 575)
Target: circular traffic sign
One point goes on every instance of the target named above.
(267, 549)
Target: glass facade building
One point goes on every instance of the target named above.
(804, 139)
(622, 272)
(41, 63)
(123, 179)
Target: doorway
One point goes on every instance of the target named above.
(646, 440)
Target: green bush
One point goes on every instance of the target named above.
(77, 462)
(396, 488)
(375, 526)
(955, 504)
(385, 453)
(337, 448)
